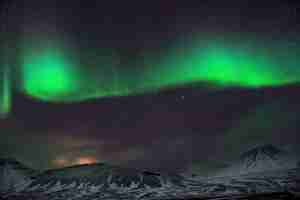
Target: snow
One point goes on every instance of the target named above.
(61, 185)
(260, 159)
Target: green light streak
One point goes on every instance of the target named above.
(227, 64)
(5, 97)
(50, 73)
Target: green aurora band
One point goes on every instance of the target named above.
(52, 75)
(51, 71)
(230, 63)
(47, 73)
(5, 97)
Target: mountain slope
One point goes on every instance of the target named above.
(238, 187)
(102, 181)
(14, 175)
(261, 159)
(99, 177)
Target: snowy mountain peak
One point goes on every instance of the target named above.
(265, 151)
(261, 159)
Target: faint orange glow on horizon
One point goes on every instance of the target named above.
(86, 160)
(61, 162)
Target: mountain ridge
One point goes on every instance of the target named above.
(113, 183)
(261, 158)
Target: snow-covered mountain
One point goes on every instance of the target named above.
(105, 175)
(101, 180)
(106, 182)
(261, 159)
(14, 176)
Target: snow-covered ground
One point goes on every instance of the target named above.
(102, 181)
(255, 183)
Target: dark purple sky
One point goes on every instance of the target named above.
(160, 131)
(167, 130)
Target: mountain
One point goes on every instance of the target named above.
(107, 182)
(261, 159)
(107, 175)
(14, 175)
(99, 180)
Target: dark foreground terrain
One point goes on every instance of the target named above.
(261, 173)
(61, 185)
(266, 196)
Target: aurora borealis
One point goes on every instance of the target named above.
(5, 97)
(230, 63)
(46, 72)
(54, 64)
(50, 72)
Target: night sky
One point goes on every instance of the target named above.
(157, 85)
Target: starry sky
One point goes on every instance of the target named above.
(136, 96)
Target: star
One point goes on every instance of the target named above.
(180, 98)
